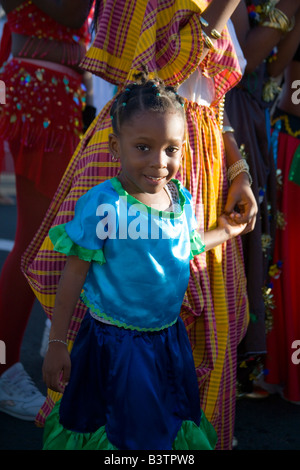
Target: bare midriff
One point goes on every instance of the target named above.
(45, 49)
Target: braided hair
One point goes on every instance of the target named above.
(144, 95)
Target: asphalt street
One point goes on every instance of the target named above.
(266, 424)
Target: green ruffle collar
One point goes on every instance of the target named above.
(117, 185)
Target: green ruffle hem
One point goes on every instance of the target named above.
(189, 437)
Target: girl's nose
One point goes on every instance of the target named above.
(159, 160)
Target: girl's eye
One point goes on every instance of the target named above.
(172, 149)
(142, 147)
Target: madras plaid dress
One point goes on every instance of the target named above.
(165, 35)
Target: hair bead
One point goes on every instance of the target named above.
(146, 94)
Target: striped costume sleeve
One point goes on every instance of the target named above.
(165, 35)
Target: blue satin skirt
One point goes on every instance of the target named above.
(140, 385)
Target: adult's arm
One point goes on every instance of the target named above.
(240, 193)
(286, 49)
(257, 42)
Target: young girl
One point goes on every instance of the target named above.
(133, 383)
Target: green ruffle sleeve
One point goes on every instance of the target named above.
(197, 245)
(64, 244)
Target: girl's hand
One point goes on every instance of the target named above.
(227, 228)
(57, 367)
(230, 225)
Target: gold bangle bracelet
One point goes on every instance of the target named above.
(279, 20)
(227, 129)
(215, 34)
(282, 28)
(240, 166)
(204, 22)
(286, 23)
(208, 41)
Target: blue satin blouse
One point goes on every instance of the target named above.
(139, 255)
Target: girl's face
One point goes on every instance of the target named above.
(149, 146)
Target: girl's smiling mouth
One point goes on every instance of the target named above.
(155, 178)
